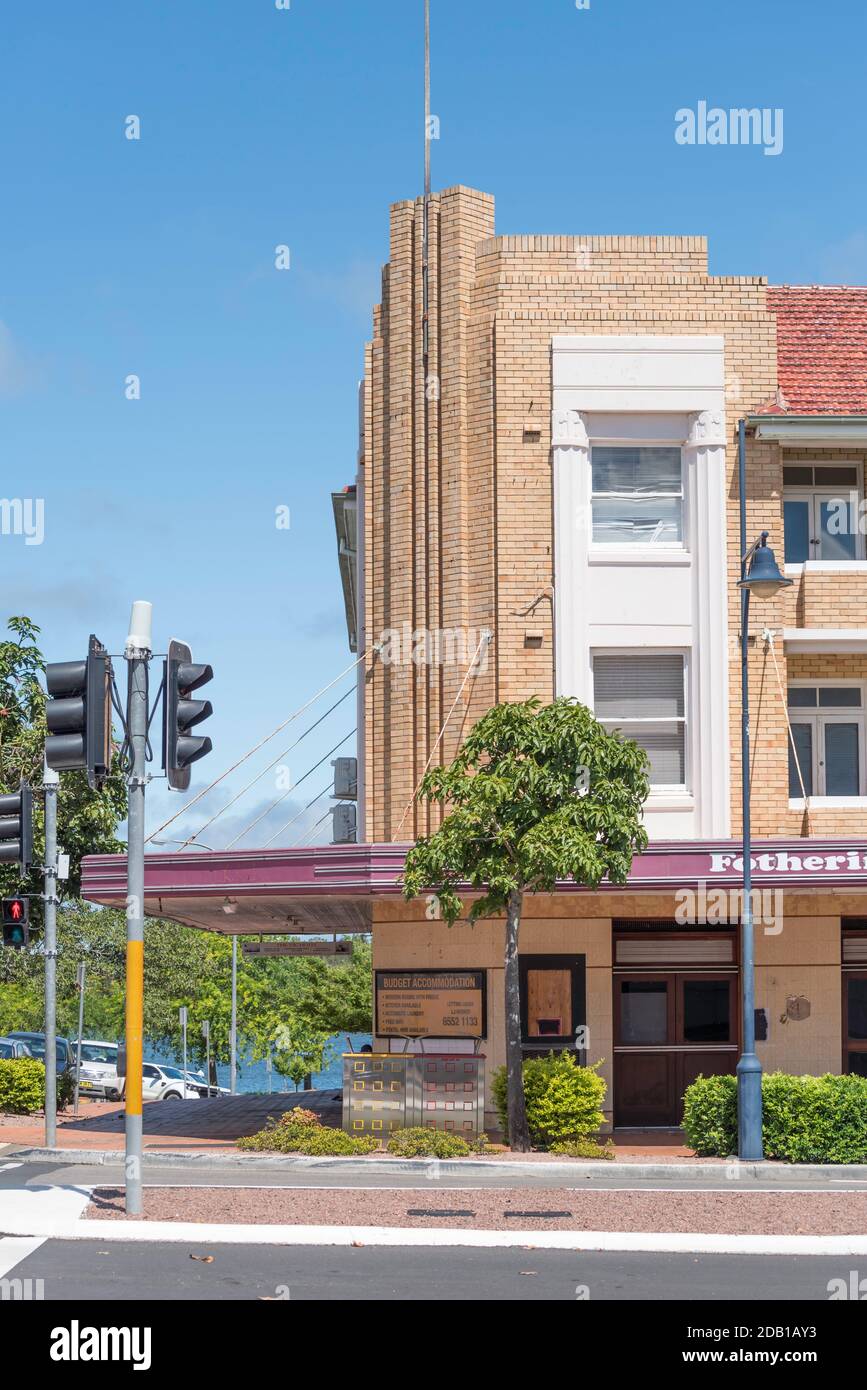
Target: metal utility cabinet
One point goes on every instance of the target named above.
(383, 1091)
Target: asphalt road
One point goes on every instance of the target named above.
(84, 1271)
(451, 1176)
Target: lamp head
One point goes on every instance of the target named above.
(763, 577)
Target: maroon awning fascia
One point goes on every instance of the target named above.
(322, 886)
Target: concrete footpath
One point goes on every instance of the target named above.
(542, 1168)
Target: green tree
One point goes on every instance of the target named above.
(538, 794)
(300, 1050)
(87, 820)
(335, 994)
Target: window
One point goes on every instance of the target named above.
(821, 512)
(553, 997)
(636, 496)
(643, 696)
(828, 732)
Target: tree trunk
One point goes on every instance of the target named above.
(519, 1136)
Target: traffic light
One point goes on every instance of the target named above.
(180, 714)
(16, 922)
(16, 828)
(78, 714)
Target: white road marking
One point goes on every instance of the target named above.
(14, 1249)
(201, 1233)
(38, 1211)
(4, 1167)
(434, 1186)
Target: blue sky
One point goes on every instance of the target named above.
(262, 127)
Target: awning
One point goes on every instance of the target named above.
(332, 888)
(819, 431)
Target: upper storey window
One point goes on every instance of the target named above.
(637, 495)
(821, 512)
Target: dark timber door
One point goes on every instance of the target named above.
(669, 1027)
(855, 1022)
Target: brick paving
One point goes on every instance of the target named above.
(193, 1126)
(173, 1124)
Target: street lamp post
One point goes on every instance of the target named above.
(760, 575)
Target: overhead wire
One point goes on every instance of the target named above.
(261, 744)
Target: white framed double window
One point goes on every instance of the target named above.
(822, 512)
(828, 728)
(637, 495)
(643, 695)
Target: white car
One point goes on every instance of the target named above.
(167, 1083)
(98, 1067)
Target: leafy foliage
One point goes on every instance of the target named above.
(805, 1119)
(536, 795)
(710, 1116)
(87, 820)
(422, 1142)
(518, 821)
(182, 966)
(583, 1148)
(22, 1086)
(564, 1099)
(336, 996)
(302, 1132)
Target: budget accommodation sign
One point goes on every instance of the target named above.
(431, 1003)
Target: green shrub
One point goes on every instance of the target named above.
(421, 1142)
(564, 1099)
(302, 1132)
(22, 1086)
(710, 1116)
(805, 1119)
(584, 1148)
(65, 1089)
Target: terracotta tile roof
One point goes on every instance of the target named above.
(821, 349)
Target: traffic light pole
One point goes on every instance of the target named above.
(50, 782)
(137, 653)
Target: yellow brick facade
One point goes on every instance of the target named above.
(459, 535)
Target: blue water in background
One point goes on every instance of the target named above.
(253, 1076)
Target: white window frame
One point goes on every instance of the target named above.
(659, 790)
(814, 494)
(817, 718)
(619, 550)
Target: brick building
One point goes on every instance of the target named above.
(548, 505)
(557, 496)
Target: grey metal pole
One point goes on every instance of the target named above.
(50, 782)
(82, 972)
(184, 1044)
(749, 1068)
(137, 652)
(233, 1055)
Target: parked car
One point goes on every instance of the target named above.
(36, 1044)
(12, 1047)
(98, 1067)
(167, 1083)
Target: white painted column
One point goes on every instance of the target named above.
(705, 468)
(572, 524)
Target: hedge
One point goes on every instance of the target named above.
(302, 1132)
(22, 1086)
(805, 1119)
(564, 1099)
